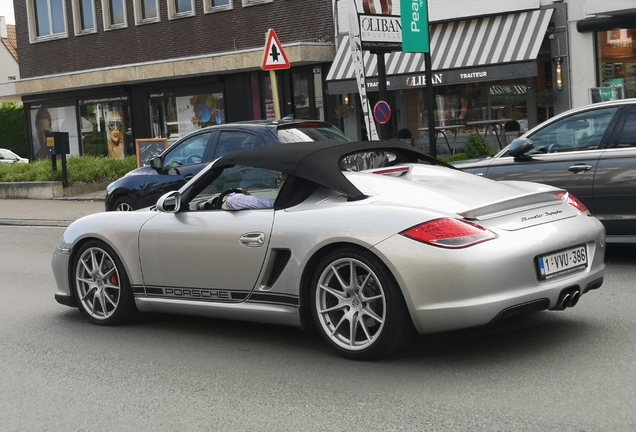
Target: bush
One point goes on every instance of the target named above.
(477, 146)
(453, 158)
(81, 169)
(13, 128)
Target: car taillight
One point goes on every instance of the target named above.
(574, 202)
(449, 233)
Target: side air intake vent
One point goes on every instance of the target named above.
(279, 260)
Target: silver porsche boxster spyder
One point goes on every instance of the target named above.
(364, 258)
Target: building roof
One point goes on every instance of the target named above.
(11, 42)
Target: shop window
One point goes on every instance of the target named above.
(174, 117)
(106, 129)
(114, 14)
(302, 100)
(617, 62)
(51, 118)
(47, 19)
(84, 16)
(180, 8)
(146, 11)
(216, 5)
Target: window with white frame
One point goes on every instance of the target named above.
(47, 19)
(216, 5)
(255, 2)
(84, 16)
(146, 11)
(114, 14)
(180, 8)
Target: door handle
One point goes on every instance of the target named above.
(579, 168)
(254, 239)
(187, 177)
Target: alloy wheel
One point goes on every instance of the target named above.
(98, 283)
(350, 304)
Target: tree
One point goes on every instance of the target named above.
(13, 134)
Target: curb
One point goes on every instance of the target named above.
(35, 222)
(52, 190)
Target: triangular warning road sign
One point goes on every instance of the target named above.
(274, 57)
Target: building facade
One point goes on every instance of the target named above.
(492, 61)
(601, 40)
(109, 72)
(495, 62)
(9, 69)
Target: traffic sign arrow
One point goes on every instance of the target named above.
(274, 57)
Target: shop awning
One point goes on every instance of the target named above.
(468, 44)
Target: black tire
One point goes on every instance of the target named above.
(101, 286)
(373, 306)
(124, 203)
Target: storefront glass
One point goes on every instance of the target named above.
(49, 117)
(470, 103)
(617, 62)
(174, 116)
(106, 127)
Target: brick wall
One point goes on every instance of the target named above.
(237, 29)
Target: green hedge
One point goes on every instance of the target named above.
(13, 135)
(81, 169)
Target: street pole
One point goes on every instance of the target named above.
(275, 98)
(382, 89)
(430, 105)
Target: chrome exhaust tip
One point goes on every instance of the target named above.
(574, 298)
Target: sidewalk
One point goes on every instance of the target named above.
(58, 212)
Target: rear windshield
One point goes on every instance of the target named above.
(310, 132)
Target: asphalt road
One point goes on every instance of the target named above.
(552, 371)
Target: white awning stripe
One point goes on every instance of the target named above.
(501, 39)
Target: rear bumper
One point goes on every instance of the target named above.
(453, 289)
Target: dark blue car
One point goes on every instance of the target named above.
(184, 159)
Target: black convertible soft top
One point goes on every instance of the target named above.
(319, 162)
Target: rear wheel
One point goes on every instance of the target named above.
(101, 286)
(357, 306)
(124, 204)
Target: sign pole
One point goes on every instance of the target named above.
(274, 83)
(430, 105)
(382, 90)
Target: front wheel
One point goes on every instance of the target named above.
(102, 287)
(124, 204)
(358, 307)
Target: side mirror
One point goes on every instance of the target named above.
(170, 202)
(519, 147)
(156, 162)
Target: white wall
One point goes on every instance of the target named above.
(8, 65)
(597, 7)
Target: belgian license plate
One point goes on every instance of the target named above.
(562, 262)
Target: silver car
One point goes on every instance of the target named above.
(366, 259)
(9, 157)
(588, 151)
